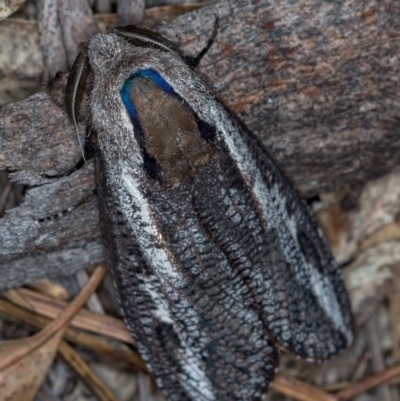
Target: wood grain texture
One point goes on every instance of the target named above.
(316, 81)
(51, 38)
(130, 12)
(77, 25)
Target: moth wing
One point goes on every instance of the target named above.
(271, 237)
(318, 306)
(199, 342)
(126, 261)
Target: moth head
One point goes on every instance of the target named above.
(104, 51)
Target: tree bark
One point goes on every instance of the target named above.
(317, 82)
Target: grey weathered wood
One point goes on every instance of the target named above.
(77, 25)
(51, 38)
(103, 6)
(316, 81)
(63, 25)
(130, 12)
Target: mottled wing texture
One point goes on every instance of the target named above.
(303, 303)
(197, 326)
(216, 259)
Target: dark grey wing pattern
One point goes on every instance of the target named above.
(209, 286)
(127, 262)
(303, 303)
(201, 336)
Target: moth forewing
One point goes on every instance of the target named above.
(216, 259)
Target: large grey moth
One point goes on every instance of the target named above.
(217, 262)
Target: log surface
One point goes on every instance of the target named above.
(316, 81)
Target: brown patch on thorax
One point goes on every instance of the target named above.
(171, 133)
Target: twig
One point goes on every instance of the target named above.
(368, 383)
(93, 303)
(118, 351)
(299, 390)
(376, 356)
(84, 371)
(86, 320)
(55, 327)
(362, 367)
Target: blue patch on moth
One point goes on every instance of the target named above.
(155, 77)
(150, 163)
(148, 73)
(207, 131)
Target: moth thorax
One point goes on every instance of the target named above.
(170, 132)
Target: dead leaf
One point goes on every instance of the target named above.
(24, 363)
(21, 380)
(378, 206)
(9, 7)
(369, 276)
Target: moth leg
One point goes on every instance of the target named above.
(194, 61)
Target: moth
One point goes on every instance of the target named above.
(217, 262)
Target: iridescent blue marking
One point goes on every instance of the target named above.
(206, 130)
(149, 162)
(149, 73)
